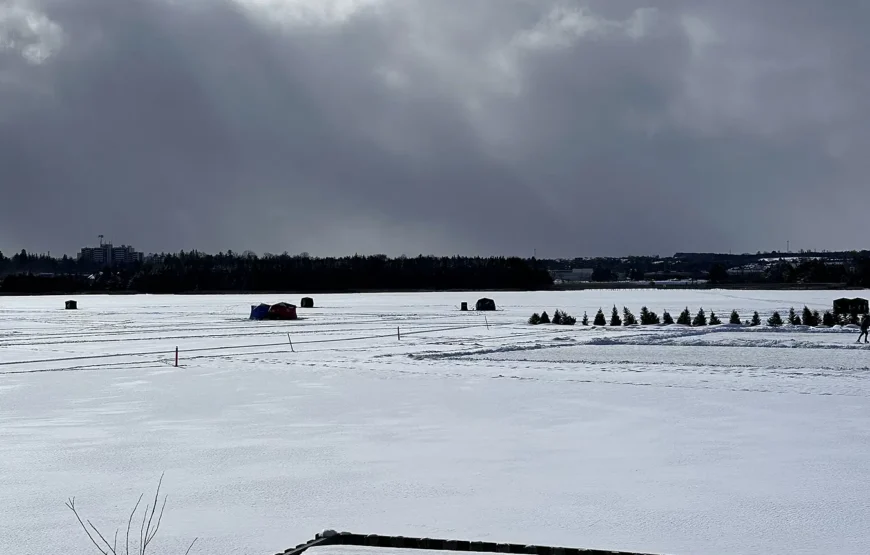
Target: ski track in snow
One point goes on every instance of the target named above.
(651, 438)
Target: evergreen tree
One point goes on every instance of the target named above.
(700, 318)
(602, 274)
(667, 319)
(644, 316)
(535, 319)
(718, 274)
(775, 320)
(809, 319)
(735, 318)
(599, 319)
(828, 319)
(816, 318)
(585, 320)
(648, 318)
(714, 320)
(545, 318)
(557, 317)
(628, 318)
(568, 320)
(685, 318)
(793, 318)
(756, 319)
(614, 317)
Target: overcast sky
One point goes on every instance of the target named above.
(577, 128)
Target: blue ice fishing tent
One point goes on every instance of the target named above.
(260, 311)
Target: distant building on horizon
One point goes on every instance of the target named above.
(574, 274)
(109, 255)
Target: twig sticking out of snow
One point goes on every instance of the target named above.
(146, 532)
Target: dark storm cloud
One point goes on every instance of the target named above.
(485, 126)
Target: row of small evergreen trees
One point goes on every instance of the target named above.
(560, 318)
(648, 318)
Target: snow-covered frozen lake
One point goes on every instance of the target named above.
(658, 439)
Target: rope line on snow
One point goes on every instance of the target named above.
(164, 362)
(227, 347)
(15, 340)
(480, 340)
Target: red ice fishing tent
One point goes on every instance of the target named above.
(282, 311)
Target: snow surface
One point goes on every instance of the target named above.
(468, 426)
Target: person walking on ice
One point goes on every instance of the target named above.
(865, 326)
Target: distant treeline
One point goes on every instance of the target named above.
(185, 272)
(230, 272)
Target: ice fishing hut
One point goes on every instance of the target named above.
(282, 311)
(306, 302)
(71, 305)
(851, 307)
(278, 311)
(464, 306)
(485, 304)
(259, 311)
